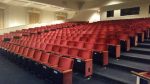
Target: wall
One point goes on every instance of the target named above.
(16, 18)
(84, 15)
(144, 9)
(47, 17)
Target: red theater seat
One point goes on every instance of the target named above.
(124, 41)
(53, 60)
(64, 67)
(44, 57)
(37, 55)
(114, 47)
(73, 52)
(64, 50)
(25, 52)
(30, 53)
(88, 46)
(48, 47)
(55, 48)
(102, 51)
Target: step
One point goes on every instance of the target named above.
(144, 45)
(136, 57)
(147, 41)
(78, 79)
(140, 50)
(115, 74)
(129, 65)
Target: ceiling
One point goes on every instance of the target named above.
(83, 4)
(32, 4)
(64, 5)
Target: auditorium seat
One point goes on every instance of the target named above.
(53, 60)
(114, 47)
(100, 54)
(48, 48)
(124, 42)
(64, 50)
(62, 74)
(55, 48)
(44, 58)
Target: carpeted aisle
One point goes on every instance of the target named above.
(10, 73)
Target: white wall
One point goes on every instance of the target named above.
(144, 9)
(85, 15)
(47, 17)
(15, 16)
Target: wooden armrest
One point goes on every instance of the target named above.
(50, 66)
(89, 60)
(118, 45)
(141, 74)
(66, 71)
(111, 44)
(105, 51)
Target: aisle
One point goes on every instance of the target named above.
(10, 73)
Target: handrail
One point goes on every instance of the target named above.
(141, 74)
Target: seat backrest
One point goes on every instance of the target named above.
(44, 57)
(63, 42)
(65, 63)
(10, 47)
(79, 44)
(16, 49)
(91, 40)
(20, 50)
(25, 51)
(46, 40)
(7, 46)
(53, 60)
(64, 50)
(85, 54)
(37, 45)
(113, 41)
(100, 47)
(102, 36)
(55, 48)
(31, 53)
(52, 41)
(101, 40)
(123, 36)
(42, 46)
(57, 41)
(73, 51)
(33, 44)
(48, 47)
(71, 43)
(85, 39)
(89, 46)
(37, 55)
(29, 44)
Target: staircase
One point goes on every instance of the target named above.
(119, 71)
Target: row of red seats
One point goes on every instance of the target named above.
(37, 30)
(59, 65)
(83, 55)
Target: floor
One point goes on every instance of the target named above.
(10, 73)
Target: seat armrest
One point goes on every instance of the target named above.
(67, 71)
(117, 45)
(88, 59)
